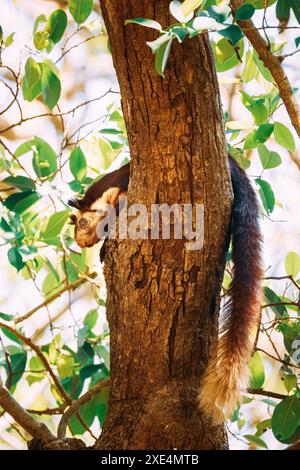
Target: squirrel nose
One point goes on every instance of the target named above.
(84, 244)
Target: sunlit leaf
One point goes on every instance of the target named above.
(50, 84)
(292, 263)
(31, 83)
(55, 224)
(80, 9)
(257, 371)
(77, 163)
(145, 22)
(284, 137)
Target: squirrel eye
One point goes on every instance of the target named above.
(82, 222)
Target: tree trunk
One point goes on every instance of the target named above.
(163, 301)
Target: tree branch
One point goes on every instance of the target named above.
(50, 299)
(295, 446)
(23, 418)
(273, 63)
(266, 393)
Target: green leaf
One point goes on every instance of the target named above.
(54, 348)
(285, 419)
(284, 137)
(296, 9)
(266, 195)
(31, 83)
(219, 12)
(262, 68)
(77, 163)
(51, 268)
(40, 40)
(9, 40)
(18, 364)
(27, 201)
(36, 365)
(91, 319)
(111, 131)
(73, 386)
(91, 369)
(80, 9)
(85, 352)
(20, 182)
(19, 202)
(56, 25)
(104, 352)
(180, 32)
(65, 366)
(263, 426)
(225, 54)
(249, 71)
(162, 55)
(283, 8)
(260, 113)
(292, 263)
(157, 43)
(15, 258)
(290, 336)
(44, 161)
(102, 405)
(50, 284)
(257, 441)
(39, 19)
(55, 224)
(35, 377)
(11, 336)
(245, 12)
(145, 22)
(290, 382)
(6, 316)
(51, 87)
(233, 33)
(273, 298)
(87, 413)
(257, 371)
(268, 159)
(264, 132)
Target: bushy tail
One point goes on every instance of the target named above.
(227, 374)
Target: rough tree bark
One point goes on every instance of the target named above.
(163, 301)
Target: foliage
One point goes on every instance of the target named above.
(34, 215)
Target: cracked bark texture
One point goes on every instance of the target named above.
(163, 301)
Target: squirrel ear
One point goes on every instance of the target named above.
(76, 203)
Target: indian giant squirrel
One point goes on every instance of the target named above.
(227, 373)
